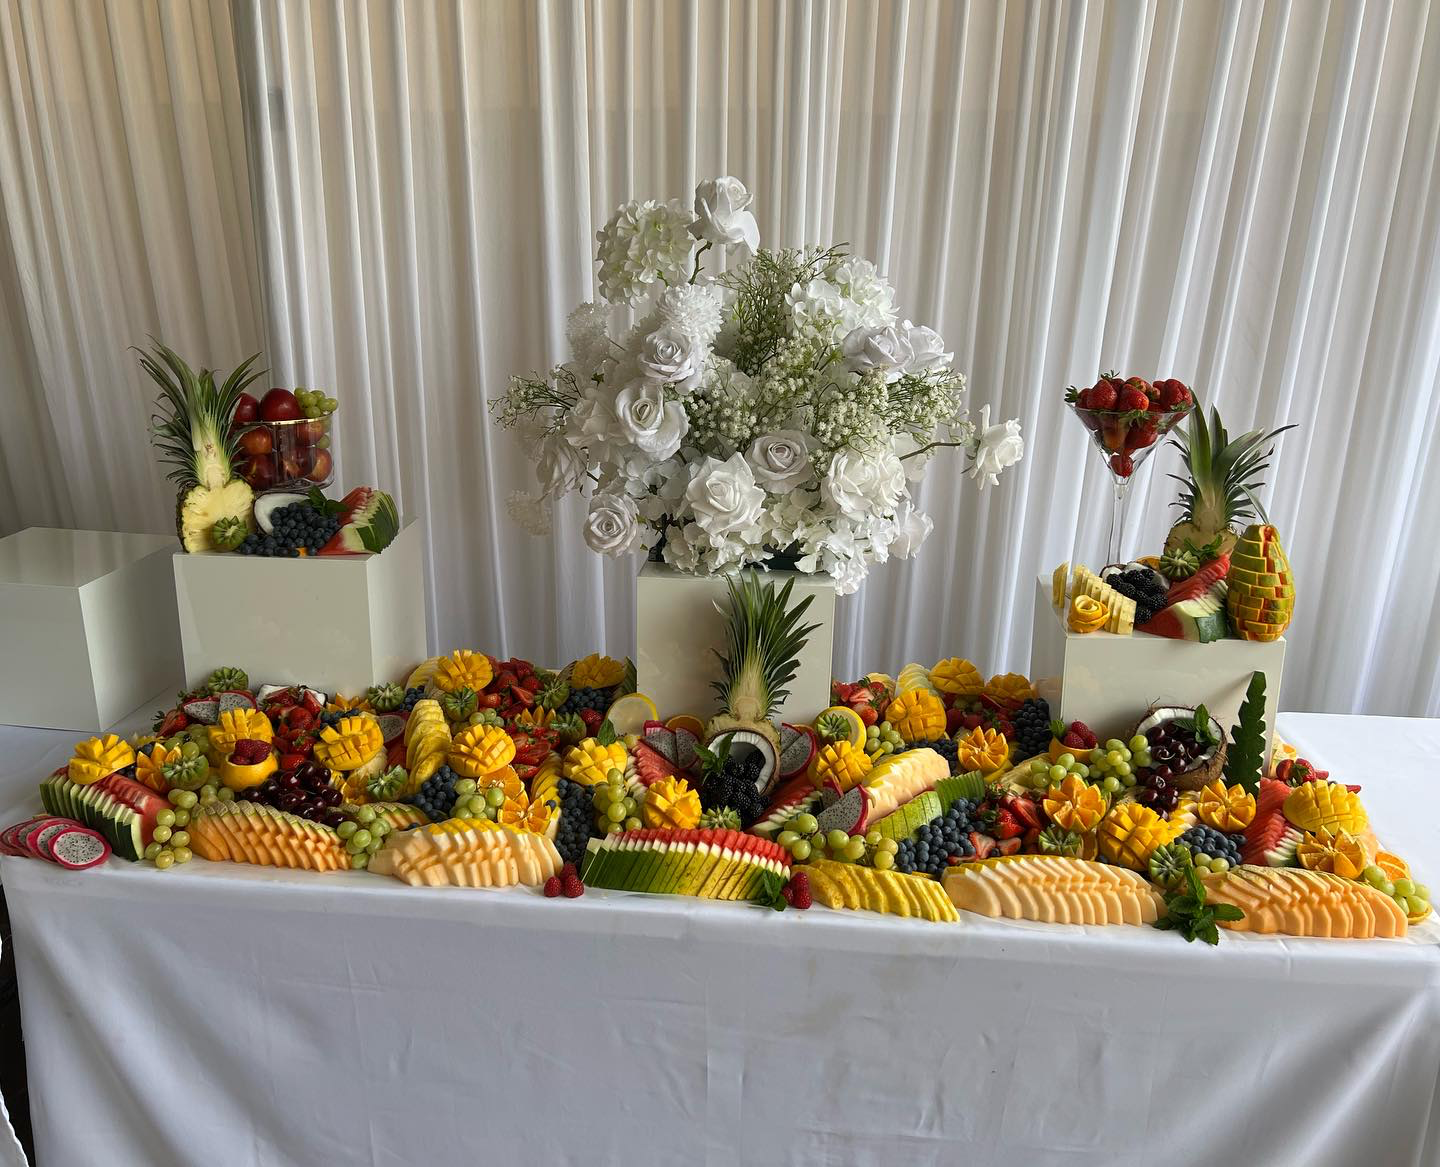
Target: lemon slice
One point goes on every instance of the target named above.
(849, 716)
(687, 721)
(628, 714)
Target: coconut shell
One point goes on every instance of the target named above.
(1199, 777)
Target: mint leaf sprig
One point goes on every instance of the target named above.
(1188, 912)
(770, 893)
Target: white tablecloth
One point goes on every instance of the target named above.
(233, 1015)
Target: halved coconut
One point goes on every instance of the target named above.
(1205, 767)
(745, 740)
(267, 504)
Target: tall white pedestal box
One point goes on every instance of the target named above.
(678, 629)
(87, 626)
(1108, 681)
(335, 623)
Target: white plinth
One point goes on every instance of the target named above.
(336, 623)
(87, 626)
(1107, 681)
(677, 626)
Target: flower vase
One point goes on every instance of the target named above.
(680, 626)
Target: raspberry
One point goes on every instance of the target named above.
(1087, 735)
(799, 889)
(552, 887)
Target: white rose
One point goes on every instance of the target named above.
(911, 528)
(722, 215)
(724, 497)
(669, 354)
(654, 425)
(996, 447)
(781, 460)
(860, 484)
(610, 526)
(927, 350)
(887, 349)
(560, 467)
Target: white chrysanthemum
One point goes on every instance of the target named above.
(643, 242)
(696, 309)
(528, 512)
(585, 330)
(869, 298)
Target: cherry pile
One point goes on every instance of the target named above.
(304, 790)
(1174, 748)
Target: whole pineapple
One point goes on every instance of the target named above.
(1218, 490)
(191, 430)
(1261, 597)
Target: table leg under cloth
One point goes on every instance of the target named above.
(233, 1015)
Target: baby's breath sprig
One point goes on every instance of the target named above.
(534, 398)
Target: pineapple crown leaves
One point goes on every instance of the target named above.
(1188, 911)
(191, 425)
(1246, 757)
(764, 638)
(1222, 471)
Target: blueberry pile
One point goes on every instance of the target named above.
(582, 698)
(412, 695)
(1147, 588)
(577, 814)
(947, 748)
(1032, 727)
(734, 786)
(436, 796)
(932, 848)
(293, 528)
(331, 717)
(1215, 844)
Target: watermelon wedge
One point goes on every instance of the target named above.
(369, 522)
(1199, 583)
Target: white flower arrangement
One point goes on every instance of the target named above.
(781, 407)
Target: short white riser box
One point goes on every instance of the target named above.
(335, 623)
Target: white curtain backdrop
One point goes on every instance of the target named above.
(125, 211)
(1238, 194)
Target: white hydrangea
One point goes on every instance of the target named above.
(815, 307)
(642, 243)
(869, 300)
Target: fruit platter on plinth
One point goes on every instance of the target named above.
(936, 795)
(768, 411)
(287, 579)
(1190, 625)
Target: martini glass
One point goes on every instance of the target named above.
(1124, 441)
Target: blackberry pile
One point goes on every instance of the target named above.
(582, 698)
(1147, 588)
(733, 785)
(940, 842)
(293, 528)
(576, 816)
(947, 748)
(436, 796)
(412, 695)
(1215, 844)
(1032, 727)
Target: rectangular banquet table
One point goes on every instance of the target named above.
(236, 1015)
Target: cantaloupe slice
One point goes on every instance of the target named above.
(1053, 889)
(1305, 903)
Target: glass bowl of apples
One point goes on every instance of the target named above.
(284, 439)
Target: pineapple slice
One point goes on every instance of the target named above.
(198, 509)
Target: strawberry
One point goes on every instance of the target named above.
(867, 714)
(1113, 434)
(1102, 395)
(983, 844)
(788, 894)
(954, 718)
(1143, 385)
(173, 723)
(488, 700)
(1008, 847)
(1122, 465)
(971, 721)
(395, 754)
(1174, 394)
(571, 886)
(552, 887)
(290, 761)
(1025, 810)
(1085, 399)
(297, 719)
(799, 889)
(592, 719)
(1007, 826)
(1141, 435)
(312, 702)
(1132, 398)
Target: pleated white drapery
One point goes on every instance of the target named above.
(1239, 195)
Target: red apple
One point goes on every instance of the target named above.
(259, 471)
(257, 441)
(321, 470)
(247, 409)
(307, 433)
(279, 405)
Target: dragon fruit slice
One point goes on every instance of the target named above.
(77, 848)
(797, 747)
(392, 726)
(202, 710)
(30, 838)
(234, 699)
(661, 738)
(10, 839)
(850, 812)
(685, 747)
